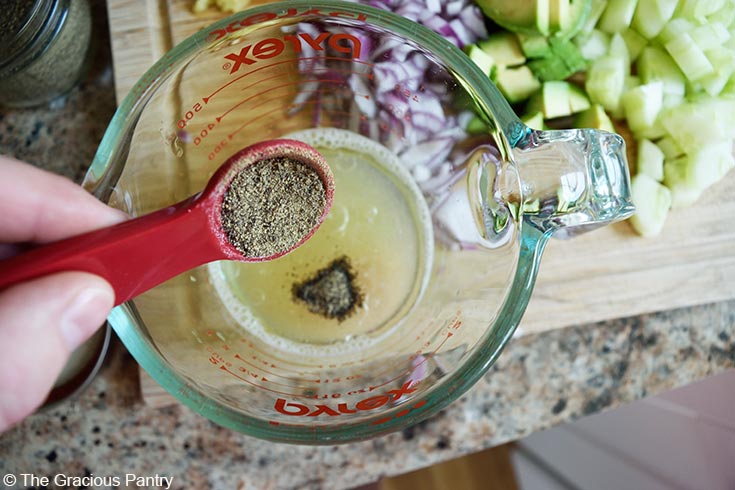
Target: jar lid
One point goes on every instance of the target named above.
(25, 26)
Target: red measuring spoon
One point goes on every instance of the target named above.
(139, 254)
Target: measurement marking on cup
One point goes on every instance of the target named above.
(289, 60)
(313, 102)
(271, 373)
(270, 90)
(259, 386)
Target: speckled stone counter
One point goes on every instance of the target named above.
(539, 381)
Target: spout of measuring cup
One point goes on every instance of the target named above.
(572, 181)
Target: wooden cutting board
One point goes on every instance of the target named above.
(609, 273)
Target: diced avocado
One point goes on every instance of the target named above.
(650, 160)
(476, 126)
(578, 100)
(534, 16)
(559, 15)
(555, 97)
(543, 17)
(504, 49)
(594, 117)
(482, 59)
(652, 202)
(511, 14)
(617, 15)
(534, 121)
(563, 60)
(533, 45)
(517, 83)
(651, 16)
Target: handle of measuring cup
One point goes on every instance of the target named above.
(573, 180)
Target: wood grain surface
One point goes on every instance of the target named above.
(606, 274)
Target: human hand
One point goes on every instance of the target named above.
(43, 320)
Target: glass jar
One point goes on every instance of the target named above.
(44, 47)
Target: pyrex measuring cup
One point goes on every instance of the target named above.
(423, 268)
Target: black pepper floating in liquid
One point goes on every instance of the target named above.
(271, 205)
(331, 292)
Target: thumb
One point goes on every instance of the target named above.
(41, 322)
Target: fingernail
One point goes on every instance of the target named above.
(85, 314)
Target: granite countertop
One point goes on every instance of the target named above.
(540, 380)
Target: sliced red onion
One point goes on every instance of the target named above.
(454, 7)
(473, 21)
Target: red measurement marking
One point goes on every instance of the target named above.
(289, 60)
(444, 341)
(268, 91)
(224, 368)
(244, 125)
(271, 373)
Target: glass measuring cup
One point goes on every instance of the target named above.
(436, 234)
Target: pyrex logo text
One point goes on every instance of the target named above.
(298, 409)
(250, 20)
(272, 47)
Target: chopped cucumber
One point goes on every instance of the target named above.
(596, 44)
(654, 64)
(642, 105)
(689, 57)
(708, 36)
(596, 9)
(606, 80)
(650, 160)
(696, 124)
(698, 9)
(651, 16)
(617, 15)
(723, 60)
(634, 42)
(619, 49)
(697, 171)
(669, 148)
(652, 202)
(673, 29)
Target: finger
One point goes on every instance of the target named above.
(41, 323)
(41, 207)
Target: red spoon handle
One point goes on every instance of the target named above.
(133, 256)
